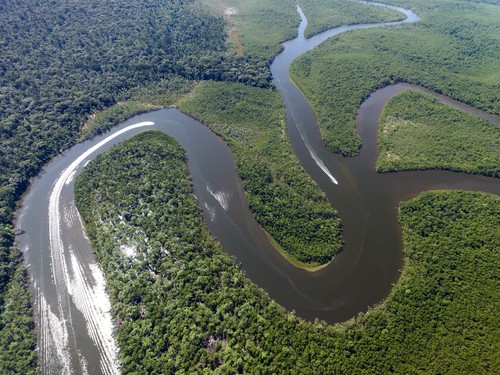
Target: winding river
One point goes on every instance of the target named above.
(71, 307)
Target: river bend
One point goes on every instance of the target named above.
(72, 310)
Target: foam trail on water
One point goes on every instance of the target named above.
(91, 299)
(53, 339)
(313, 153)
(223, 197)
(211, 211)
(87, 291)
(320, 163)
(70, 178)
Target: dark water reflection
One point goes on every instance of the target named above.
(361, 276)
(366, 201)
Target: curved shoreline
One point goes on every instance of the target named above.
(383, 95)
(367, 2)
(327, 293)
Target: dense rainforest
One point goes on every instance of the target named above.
(69, 70)
(61, 62)
(183, 306)
(454, 50)
(283, 198)
(418, 132)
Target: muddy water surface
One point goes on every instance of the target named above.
(71, 308)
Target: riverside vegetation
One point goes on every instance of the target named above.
(324, 14)
(418, 132)
(182, 305)
(263, 25)
(61, 66)
(283, 198)
(453, 50)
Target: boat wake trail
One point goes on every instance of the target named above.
(320, 163)
(77, 284)
(53, 339)
(311, 150)
(223, 197)
(89, 296)
(211, 211)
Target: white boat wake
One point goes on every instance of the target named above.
(223, 197)
(311, 150)
(320, 163)
(211, 211)
(77, 285)
(53, 339)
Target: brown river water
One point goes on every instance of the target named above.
(71, 307)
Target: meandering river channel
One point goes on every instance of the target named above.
(71, 307)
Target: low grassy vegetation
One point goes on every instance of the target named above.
(181, 304)
(107, 118)
(453, 50)
(324, 14)
(264, 24)
(283, 198)
(418, 132)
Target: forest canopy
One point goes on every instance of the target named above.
(62, 62)
(284, 199)
(418, 132)
(72, 69)
(453, 50)
(183, 305)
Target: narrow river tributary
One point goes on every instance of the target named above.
(71, 307)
